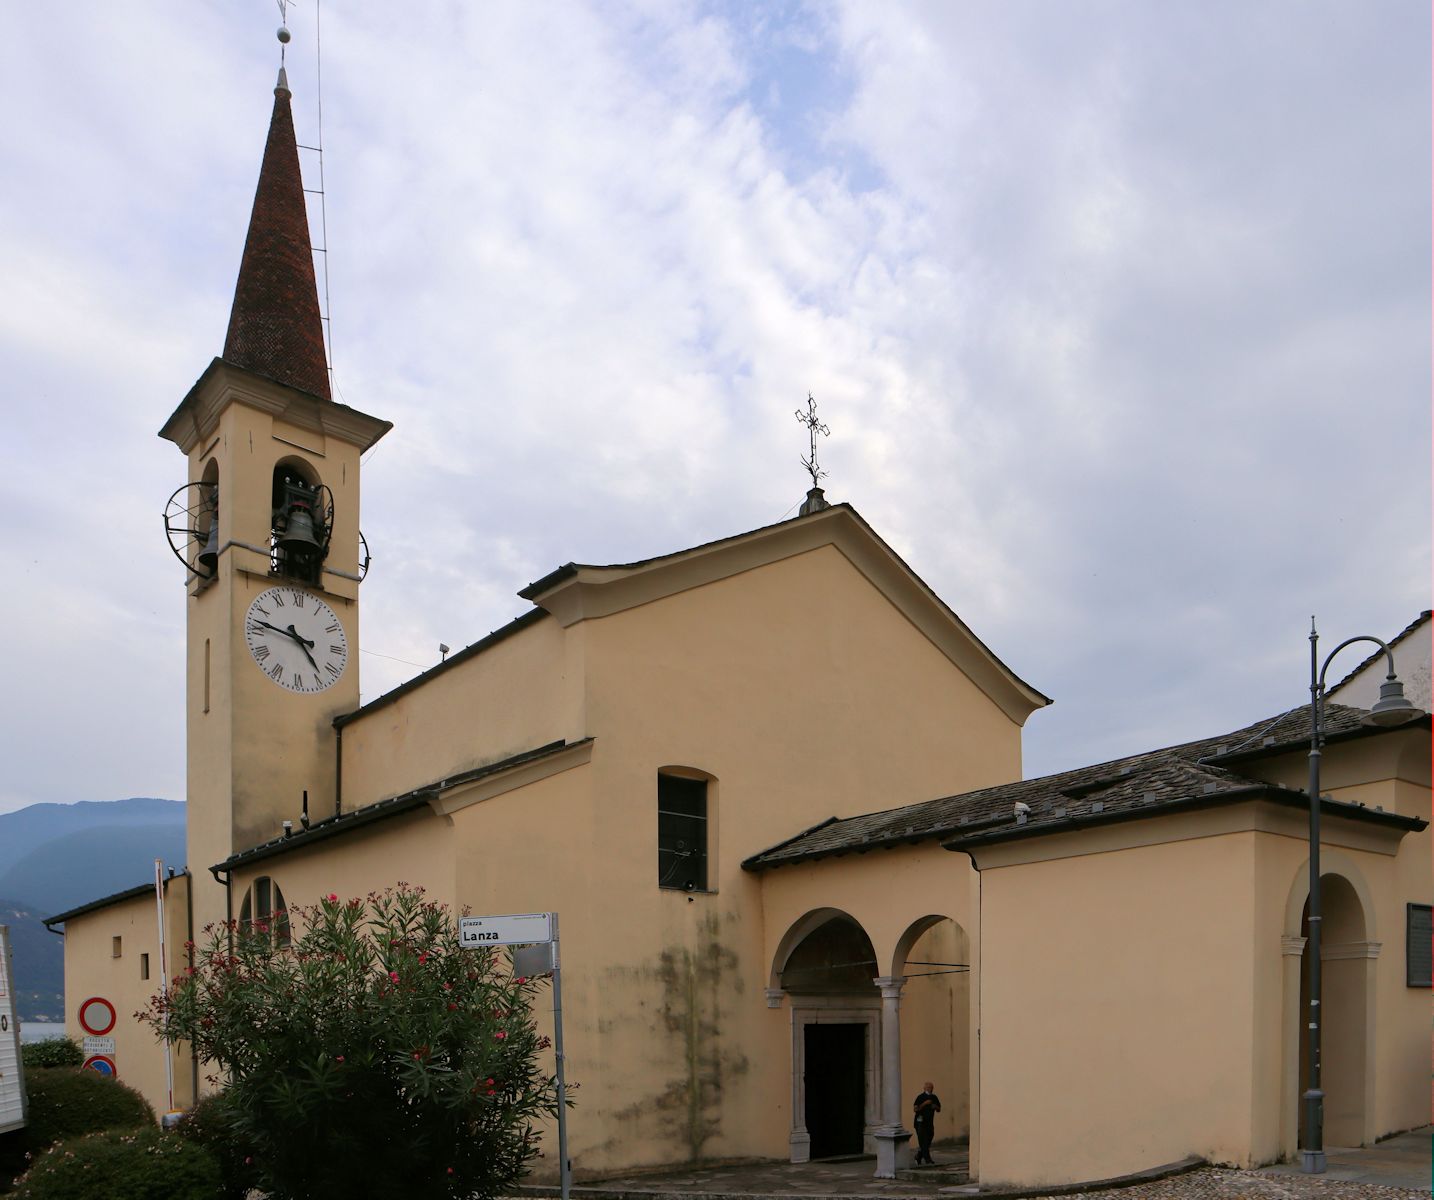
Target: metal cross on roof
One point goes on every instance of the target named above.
(814, 427)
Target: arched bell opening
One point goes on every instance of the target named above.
(827, 966)
(206, 522)
(302, 523)
(191, 525)
(933, 960)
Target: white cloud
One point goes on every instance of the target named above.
(1095, 299)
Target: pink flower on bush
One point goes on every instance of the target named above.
(332, 897)
(501, 1036)
(393, 975)
(338, 1058)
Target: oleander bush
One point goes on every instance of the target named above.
(214, 1124)
(372, 1057)
(139, 1164)
(67, 1102)
(52, 1052)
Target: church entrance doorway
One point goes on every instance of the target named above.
(835, 1086)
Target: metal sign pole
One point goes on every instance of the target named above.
(163, 977)
(564, 1167)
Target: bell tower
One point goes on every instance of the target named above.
(267, 527)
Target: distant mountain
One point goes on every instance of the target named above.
(39, 962)
(90, 863)
(30, 828)
(55, 857)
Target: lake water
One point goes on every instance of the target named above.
(39, 1031)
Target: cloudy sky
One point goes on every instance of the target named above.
(1119, 313)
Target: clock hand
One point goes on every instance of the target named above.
(290, 632)
(304, 645)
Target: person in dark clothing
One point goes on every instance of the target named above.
(924, 1111)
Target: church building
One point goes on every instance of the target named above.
(772, 786)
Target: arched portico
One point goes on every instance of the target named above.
(848, 1040)
(1349, 953)
(826, 965)
(904, 1005)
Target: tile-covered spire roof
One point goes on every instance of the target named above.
(274, 327)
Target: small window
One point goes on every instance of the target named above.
(682, 833)
(116, 946)
(1419, 945)
(144, 966)
(264, 910)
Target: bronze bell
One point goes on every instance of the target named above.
(209, 555)
(298, 536)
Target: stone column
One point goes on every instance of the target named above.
(893, 1139)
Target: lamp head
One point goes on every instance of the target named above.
(1391, 708)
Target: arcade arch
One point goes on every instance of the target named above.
(1349, 954)
(854, 1042)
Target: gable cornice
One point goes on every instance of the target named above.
(579, 593)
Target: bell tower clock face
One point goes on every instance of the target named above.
(296, 639)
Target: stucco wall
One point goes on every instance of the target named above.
(799, 712)
(1117, 1002)
(92, 969)
(519, 693)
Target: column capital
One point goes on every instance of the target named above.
(775, 996)
(890, 985)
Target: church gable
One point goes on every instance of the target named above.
(579, 592)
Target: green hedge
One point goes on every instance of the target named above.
(141, 1164)
(66, 1102)
(212, 1124)
(52, 1052)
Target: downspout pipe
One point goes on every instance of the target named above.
(228, 901)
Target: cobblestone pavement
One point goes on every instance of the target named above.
(1395, 1170)
(1218, 1183)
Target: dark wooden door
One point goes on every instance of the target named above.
(835, 1088)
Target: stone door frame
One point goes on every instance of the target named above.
(834, 1010)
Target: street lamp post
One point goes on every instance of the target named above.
(1390, 709)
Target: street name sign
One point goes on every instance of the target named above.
(517, 929)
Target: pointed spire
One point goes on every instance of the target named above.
(274, 327)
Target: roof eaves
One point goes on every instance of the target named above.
(1289, 745)
(383, 810)
(106, 901)
(1287, 797)
(753, 861)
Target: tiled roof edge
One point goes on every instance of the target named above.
(384, 809)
